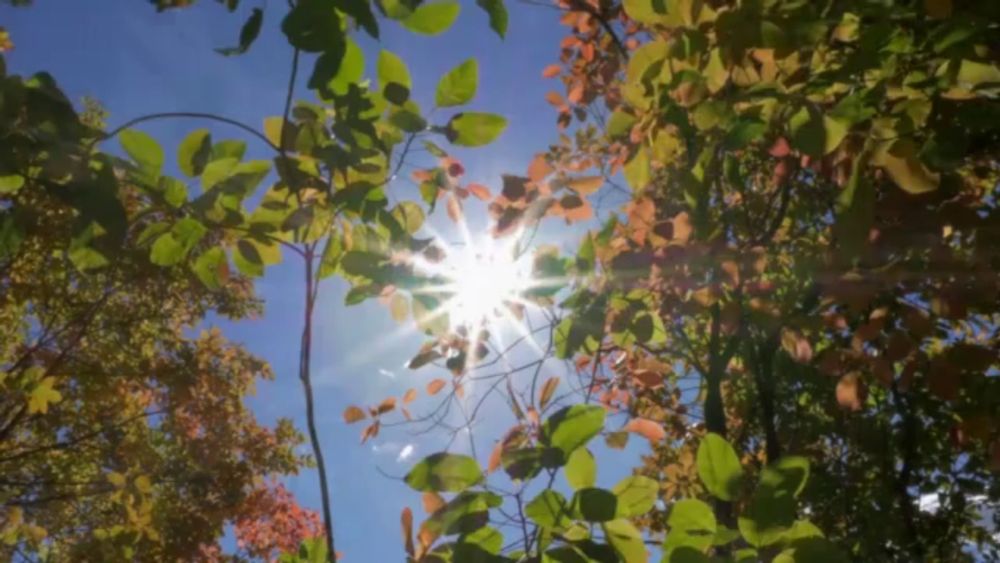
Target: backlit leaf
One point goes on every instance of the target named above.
(719, 467)
(444, 472)
(458, 86)
(475, 129)
(432, 18)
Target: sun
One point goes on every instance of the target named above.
(484, 277)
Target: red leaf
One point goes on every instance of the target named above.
(551, 71)
(780, 148)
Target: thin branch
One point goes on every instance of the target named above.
(192, 115)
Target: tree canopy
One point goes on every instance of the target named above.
(791, 292)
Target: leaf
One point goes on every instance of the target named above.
(406, 525)
(973, 73)
(431, 502)
(938, 9)
(626, 540)
(497, 11)
(636, 495)
(581, 469)
(815, 134)
(432, 18)
(905, 168)
(42, 395)
(194, 152)
(248, 34)
(11, 183)
(548, 509)
(572, 427)
(353, 414)
(423, 358)
(594, 505)
(313, 26)
(435, 386)
(719, 467)
(548, 389)
(648, 429)
(458, 86)
(691, 515)
(144, 151)
(585, 185)
(211, 267)
(851, 392)
(796, 345)
(392, 70)
(444, 472)
(474, 129)
(480, 191)
(361, 11)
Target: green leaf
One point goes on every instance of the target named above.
(497, 11)
(444, 472)
(248, 259)
(432, 18)
(692, 515)
(572, 427)
(313, 26)
(170, 248)
(144, 151)
(361, 11)
(466, 513)
(972, 73)
(410, 216)
(523, 463)
(194, 152)
(595, 505)
(394, 76)
(902, 163)
(811, 550)
(637, 172)
(626, 540)
(620, 124)
(636, 495)
(719, 467)
(458, 86)
(408, 118)
(548, 509)
(581, 469)
(248, 34)
(785, 477)
(474, 129)
(351, 69)
(815, 134)
(229, 148)
(209, 267)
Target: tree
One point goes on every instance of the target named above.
(121, 436)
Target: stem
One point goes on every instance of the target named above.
(305, 375)
(193, 115)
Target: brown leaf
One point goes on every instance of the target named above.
(480, 191)
(514, 187)
(353, 414)
(548, 389)
(943, 379)
(938, 9)
(406, 523)
(652, 431)
(495, 457)
(648, 378)
(575, 208)
(370, 431)
(555, 99)
(851, 392)
(431, 502)
(387, 405)
(539, 168)
(409, 396)
(616, 440)
(551, 71)
(435, 386)
(682, 227)
(454, 207)
(796, 345)
(585, 185)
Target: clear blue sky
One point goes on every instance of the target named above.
(136, 62)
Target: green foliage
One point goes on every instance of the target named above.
(432, 18)
(474, 129)
(458, 86)
(444, 472)
(719, 468)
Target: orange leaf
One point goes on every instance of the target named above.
(459, 390)
(585, 185)
(406, 522)
(480, 191)
(370, 431)
(555, 99)
(575, 208)
(387, 405)
(652, 431)
(682, 227)
(454, 208)
(796, 345)
(851, 392)
(435, 386)
(548, 389)
(575, 94)
(431, 501)
(409, 396)
(353, 414)
(780, 148)
(648, 378)
(551, 71)
(495, 457)
(539, 168)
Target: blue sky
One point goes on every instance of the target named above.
(136, 62)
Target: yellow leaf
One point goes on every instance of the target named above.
(143, 484)
(716, 74)
(43, 395)
(972, 73)
(116, 479)
(399, 307)
(272, 129)
(905, 169)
